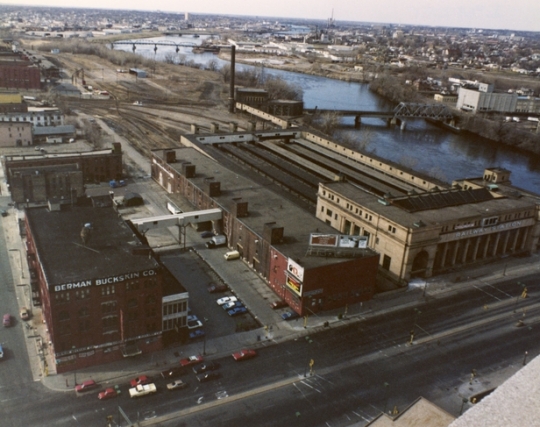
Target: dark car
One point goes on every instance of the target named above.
(205, 367)
(207, 234)
(3, 212)
(237, 311)
(173, 372)
(290, 315)
(197, 333)
(208, 376)
(231, 305)
(217, 288)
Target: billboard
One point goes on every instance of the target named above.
(338, 240)
(295, 269)
(294, 285)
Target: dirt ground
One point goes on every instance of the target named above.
(149, 112)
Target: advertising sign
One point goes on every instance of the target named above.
(294, 285)
(323, 239)
(295, 269)
(353, 241)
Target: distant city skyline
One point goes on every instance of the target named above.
(517, 15)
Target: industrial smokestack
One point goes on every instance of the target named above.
(231, 90)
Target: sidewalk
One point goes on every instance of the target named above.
(280, 331)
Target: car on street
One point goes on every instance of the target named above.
(237, 311)
(208, 376)
(3, 212)
(278, 304)
(216, 288)
(86, 385)
(142, 380)
(205, 367)
(176, 385)
(24, 313)
(225, 300)
(108, 393)
(173, 372)
(197, 333)
(191, 317)
(207, 234)
(191, 360)
(6, 320)
(232, 304)
(290, 315)
(244, 354)
(194, 324)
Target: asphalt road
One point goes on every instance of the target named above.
(453, 335)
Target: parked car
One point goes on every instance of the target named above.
(6, 320)
(191, 317)
(231, 304)
(142, 380)
(194, 324)
(290, 315)
(173, 372)
(278, 304)
(207, 234)
(191, 360)
(229, 256)
(208, 376)
(108, 393)
(214, 289)
(25, 314)
(85, 386)
(237, 311)
(3, 212)
(176, 385)
(244, 354)
(205, 367)
(224, 300)
(197, 333)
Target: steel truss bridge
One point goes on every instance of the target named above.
(155, 44)
(405, 110)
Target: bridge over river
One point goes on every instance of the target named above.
(405, 110)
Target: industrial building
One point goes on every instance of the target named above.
(303, 260)
(34, 178)
(103, 295)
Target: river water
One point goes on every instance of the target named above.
(422, 146)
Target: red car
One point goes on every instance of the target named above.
(87, 385)
(244, 354)
(142, 380)
(191, 360)
(108, 393)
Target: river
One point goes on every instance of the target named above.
(422, 146)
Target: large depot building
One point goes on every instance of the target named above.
(419, 235)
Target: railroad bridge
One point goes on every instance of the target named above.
(404, 110)
(134, 43)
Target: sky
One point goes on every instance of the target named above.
(494, 14)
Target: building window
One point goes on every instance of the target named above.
(84, 325)
(63, 315)
(108, 307)
(386, 262)
(107, 290)
(328, 212)
(132, 286)
(150, 299)
(83, 312)
(392, 229)
(110, 323)
(82, 293)
(132, 302)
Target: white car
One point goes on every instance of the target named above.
(194, 324)
(223, 300)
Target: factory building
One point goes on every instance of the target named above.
(103, 295)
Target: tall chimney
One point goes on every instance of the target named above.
(231, 90)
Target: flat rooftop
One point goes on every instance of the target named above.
(64, 257)
(265, 205)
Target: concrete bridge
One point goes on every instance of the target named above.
(404, 110)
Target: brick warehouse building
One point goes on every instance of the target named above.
(19, 75)
(103, 295)
(32, 178)
(272, 234)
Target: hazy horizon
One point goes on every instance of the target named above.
(519, 15)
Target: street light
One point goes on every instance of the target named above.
(20, 260)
